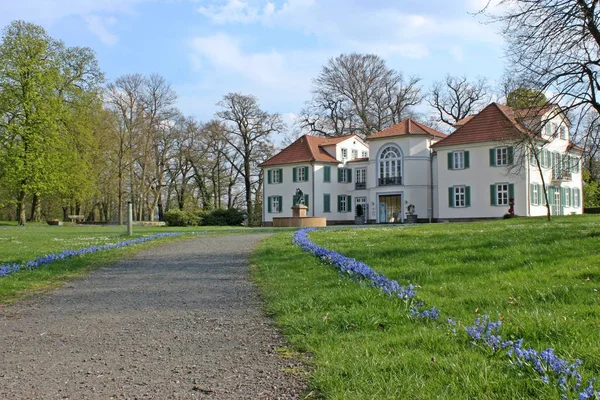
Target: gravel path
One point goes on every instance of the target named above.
(176, 321)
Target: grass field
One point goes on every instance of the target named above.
(22, 244)
(542, 279)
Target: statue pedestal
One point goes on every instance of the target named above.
(299, 211)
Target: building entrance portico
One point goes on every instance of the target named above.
(390, 209)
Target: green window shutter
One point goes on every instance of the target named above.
(562, 197)
(306, 203)
(543, 158)
(327, 174)
(531, 186)
(280, 203)
(541, 200)
(451, 197)
(339, 203)
(295, 174)
(578, 197)
(468, 196)
(450, 160)
(349, 176)
(270, 205)
(492, 157)
(511, 190)
(270, 176)
(326, 202)
(493, 195)
(511, 155)
(280, 175)
(340, 174)
(349, 203)
(306, 173)
(467, 159)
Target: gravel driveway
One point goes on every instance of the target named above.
(176, 321)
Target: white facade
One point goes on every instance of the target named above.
(469, 181)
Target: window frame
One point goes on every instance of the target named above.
(359, 172)
(364, 154)
(344, 153)
(300, 175)
(353, 154)
(343, 203)
(535, 194)
(276, 176)
(499, 192)
(459, 194)
(500, 154)
(458, 162)
(275, 200)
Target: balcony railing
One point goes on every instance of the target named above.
(360, 185)
(562, 176)
(390, 180)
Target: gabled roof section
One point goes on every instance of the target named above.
(463, 121)
(494, 123)
(306, 149)
(407, 127)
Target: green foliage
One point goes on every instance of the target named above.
(540, 277)
(525, 97)
(220, 217)
(177, 217)
(591, 191)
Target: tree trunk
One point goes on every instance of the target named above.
(36, 208)
(65, 210)
(21, 208)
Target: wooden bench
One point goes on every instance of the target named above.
(76, 218)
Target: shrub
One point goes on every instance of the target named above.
(181, 218)
(220, 217)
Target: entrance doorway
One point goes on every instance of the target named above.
(390, 209)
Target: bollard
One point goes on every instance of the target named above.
(129, 218)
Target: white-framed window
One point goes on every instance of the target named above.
(459, 160)
(535, 194)
(390, 166)
(344, 154)
(302, 175)
(354, 154)
(548, 129)
(575, 197)
(275, 204)
(277, 175)
(344, 203)
(563, 132)
(567, 197)
(343, 175)
(364, 154)
(502, 194)
(459, 196)
(361, 175)
(502, 156)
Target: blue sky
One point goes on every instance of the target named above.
(269, 48)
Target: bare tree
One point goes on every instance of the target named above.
(359, 93)
(457, 97)
(247, 129)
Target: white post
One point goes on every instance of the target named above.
(129, 218)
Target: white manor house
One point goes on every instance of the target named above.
(410, 168)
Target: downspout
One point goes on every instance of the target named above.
(528, 184)
(264, 201)
(430, 182)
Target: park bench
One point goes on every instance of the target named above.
(76, 218)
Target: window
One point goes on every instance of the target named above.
(275, 204)
(300, 174)
(364, 154)
(354, 154)
(344, 175)
(327, 173)
(567, 197)
(361, 179)
(326, 202)
(344, 203)
(275, 175)
(344, 154)
(548, 129)
(575, 197)
(460, 196)
(500, 193)
(563, 132)
(501, 156)
(390, 166)
(458, 160)
(535, 194)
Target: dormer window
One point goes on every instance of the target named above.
(344, 154)
(354, 154)
(563, 132)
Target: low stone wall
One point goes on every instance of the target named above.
(306, 222)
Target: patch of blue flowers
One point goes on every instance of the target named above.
(485, 333)
(7, 269)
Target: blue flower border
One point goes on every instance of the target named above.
(484, 333)
(8, 269)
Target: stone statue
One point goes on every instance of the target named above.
(299, 198)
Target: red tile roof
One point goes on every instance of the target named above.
(360, 159)
(573, 146)
(463, 121)
(494, 123)
(407, 127)
(306, 149)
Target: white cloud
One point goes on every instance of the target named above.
(458, 53)
(99, 26)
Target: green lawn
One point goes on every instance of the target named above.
(542, 279)
(21, 244)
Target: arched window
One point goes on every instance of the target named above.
(390, 166)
